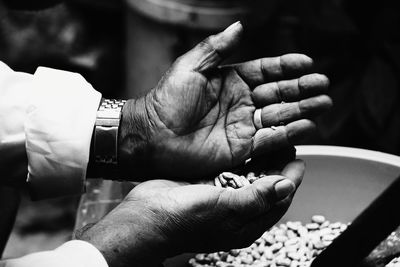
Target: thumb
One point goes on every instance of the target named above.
(213, 50)
(258, 198)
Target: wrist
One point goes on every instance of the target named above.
(134, 147)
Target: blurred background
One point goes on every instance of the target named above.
(123, 47)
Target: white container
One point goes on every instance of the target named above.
(339, 183)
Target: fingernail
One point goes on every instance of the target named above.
(284, 188)
(233, 26)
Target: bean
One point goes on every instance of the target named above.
(247, 260)
(292, 226)
(292, 248)
(325, 224)
(325, 231)
(229, 175)
(255, 254)
(259, 241)
(222, 180)
(291, 242)
(294, 256)
(230, 259)
(223, 255)
(283, 262)
(200, 257)
(319, 245)
(303, 232)
(268, 254)
(276, 247)
(281, 238)
(250, 175)
(269, 239)
(283, 227)
(329, 237)
(280, 231)
(192, 261)
(312, 226)
(318, 219)
(234, 252)
(261, 248)
(217, 182)
(231, 183)
(335, 225)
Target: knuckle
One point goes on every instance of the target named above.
(207, 43)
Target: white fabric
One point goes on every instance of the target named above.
(74, 253)
(54, 112)
(15, 92)
(58, 128)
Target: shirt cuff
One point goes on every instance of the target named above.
(75, 253)
(82, 252)
(59, 125)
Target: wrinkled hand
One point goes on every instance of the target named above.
(198, 121)
(161, 218)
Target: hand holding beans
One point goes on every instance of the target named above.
(163, 218)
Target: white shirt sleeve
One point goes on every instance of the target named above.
(74, 253)
(55, 112)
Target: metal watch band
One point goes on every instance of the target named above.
(105, 136)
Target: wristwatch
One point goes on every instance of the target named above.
(104, 149)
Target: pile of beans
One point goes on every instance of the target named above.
(232, 180)
(291, 245)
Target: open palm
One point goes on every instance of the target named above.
(200, 117)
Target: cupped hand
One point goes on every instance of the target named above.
(201, 118)
(161, 218)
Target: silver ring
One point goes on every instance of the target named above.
(257, 119)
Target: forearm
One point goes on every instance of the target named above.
(126, 236)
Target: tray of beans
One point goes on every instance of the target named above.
(290, 244)
(294, 244)
(339, 183)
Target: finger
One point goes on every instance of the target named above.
(213, 50)
(294, 171)
(266, 70)
(290, 90)
(284, 113)
(256, 199)
(267, 140)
